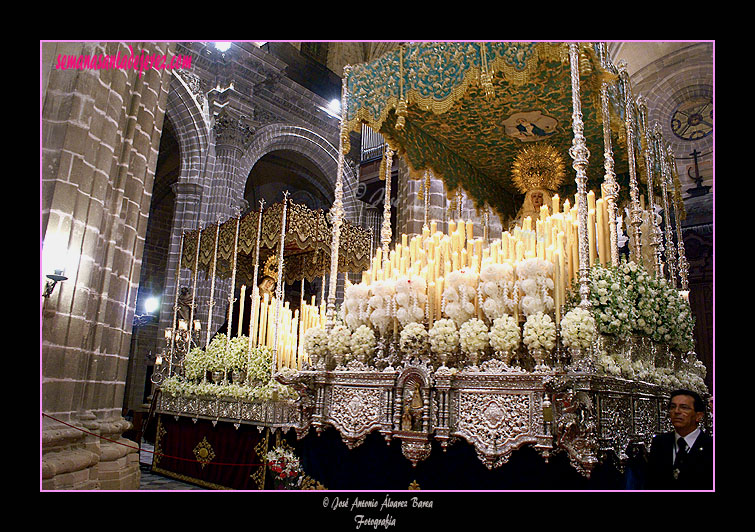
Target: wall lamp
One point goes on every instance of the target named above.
(52, 280)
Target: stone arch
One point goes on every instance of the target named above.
(185, 120)
(192, 130)
(321, 152)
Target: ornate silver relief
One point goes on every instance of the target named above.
(355, 412)
(495, 423)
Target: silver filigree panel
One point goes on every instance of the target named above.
(355, 411)
(495, 423)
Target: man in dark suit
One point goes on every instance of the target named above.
(682, 459)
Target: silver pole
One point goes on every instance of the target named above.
(580, 154)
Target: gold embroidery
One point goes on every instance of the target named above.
(260, 450)
(161, 432)
(204, 452)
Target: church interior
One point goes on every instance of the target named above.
(371, 265)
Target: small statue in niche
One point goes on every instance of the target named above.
(184, 303)
(411, 419)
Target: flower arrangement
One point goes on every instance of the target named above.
(504, 334)
(690, 380)
(658, 310)
(315, 342)
(339, 340)
(271, 390)
(355, 304)
(237, 351)
(380, 304)
(443, 337)
(283, 463)
(410, 299)
(473, 336)
(611, 306)
(259, 367)
(363, 342)
(539, 332)
(578, 328)
(459, 295)
(414, 338)
(616, 365)
(496, 290)
(195, 364)
(536, 284)
(216, 351)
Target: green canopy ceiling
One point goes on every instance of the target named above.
(464, 129)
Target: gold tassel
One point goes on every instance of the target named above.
(401, 111)
(402, 107)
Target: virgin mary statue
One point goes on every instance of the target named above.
(537, 172)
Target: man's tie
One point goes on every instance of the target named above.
(681, 452)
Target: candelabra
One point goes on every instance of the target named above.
(178, 342)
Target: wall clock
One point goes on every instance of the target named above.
(693, 120)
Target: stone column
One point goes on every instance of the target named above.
(411, 213)
(233, 134)
(101, 134)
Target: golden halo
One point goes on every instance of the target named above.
(270, 269)
(538, 166)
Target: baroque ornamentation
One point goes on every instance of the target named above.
(355, 411)
(234, 131)
(495, 423)
(204, 452)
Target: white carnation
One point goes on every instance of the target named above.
(444, 337)
(578, 328)
(413, 338)
(363, 341)
(339, 340)
(316, 342)
(504, 334)
(473, 336)
(539, 332)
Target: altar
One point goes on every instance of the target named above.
(542, 359)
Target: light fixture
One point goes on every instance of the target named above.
(149, 307)
(334, 108)
(222, 46)
(151, 304)
(52, 280)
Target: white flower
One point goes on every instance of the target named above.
(504, 334)
(536, 283)
(413, 338)
(339, 340)
(316, 342)
(539, 332)
(260, 363)
(380, 304)
(459, 295)
(363, 341)
(578, 328)
(444, 337)
(473, 336)
(410, 299)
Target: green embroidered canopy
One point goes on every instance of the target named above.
(465, 111)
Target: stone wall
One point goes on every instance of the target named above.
(101, 131)
(411, 214)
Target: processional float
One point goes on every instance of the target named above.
(567, 332)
